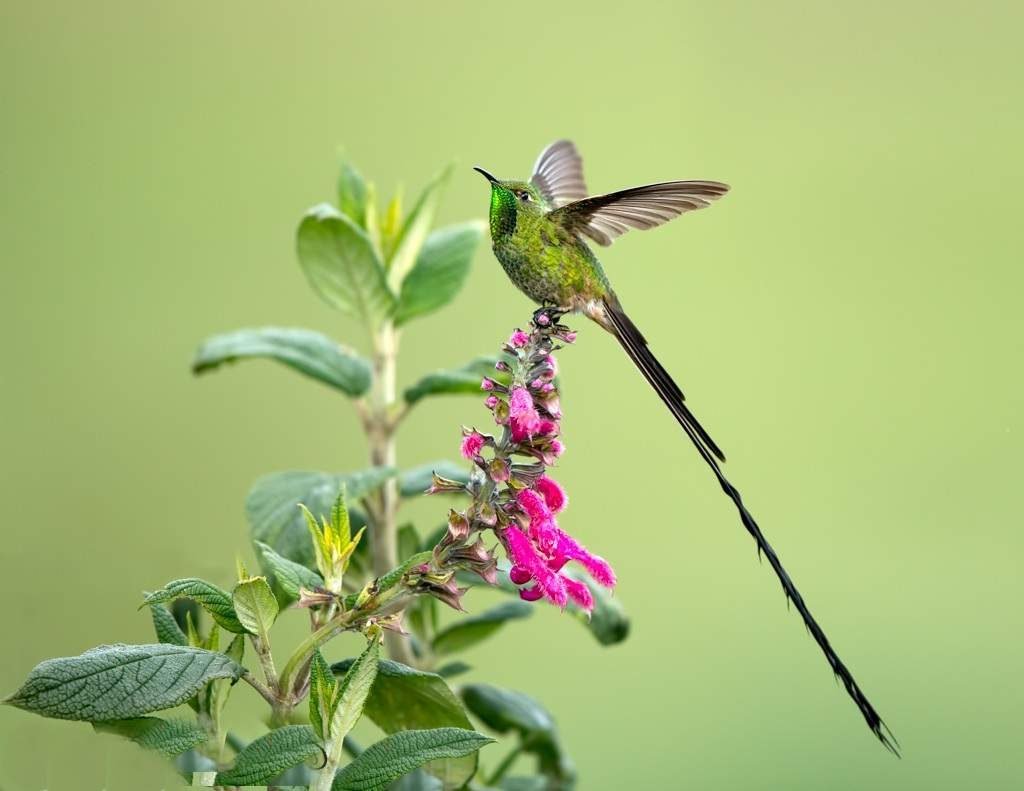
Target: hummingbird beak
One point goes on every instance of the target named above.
(486, 175)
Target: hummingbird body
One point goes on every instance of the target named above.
(539, 230)
(546, 261)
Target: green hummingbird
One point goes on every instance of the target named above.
(539, 232)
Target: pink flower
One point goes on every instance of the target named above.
(552, 364)
(597, 567)
(519, 575)
(472, 444)
(523, 413)
(519, 339)
(491, 401)
(523, 553)
(553, 494)
(543, 529)
(580, 594)
(486, 384)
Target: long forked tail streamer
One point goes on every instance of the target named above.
(636, 347)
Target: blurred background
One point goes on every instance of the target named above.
(846, 323)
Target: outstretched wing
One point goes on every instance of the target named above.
(604, 217)
(558, 174)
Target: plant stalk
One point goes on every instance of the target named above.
(383, 451)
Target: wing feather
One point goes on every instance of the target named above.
(605, 217)
(558, 174)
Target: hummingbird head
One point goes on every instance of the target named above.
(509, 201)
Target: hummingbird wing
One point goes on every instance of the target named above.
(605, 217)
(558, 174)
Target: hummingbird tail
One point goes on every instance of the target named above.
(621, 326)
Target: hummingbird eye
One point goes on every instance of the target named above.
(523, 195)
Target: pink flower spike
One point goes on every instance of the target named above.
(553, 494)
(472, 444)
(580, 594)
(519, 339)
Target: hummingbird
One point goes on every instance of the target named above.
(540, 233)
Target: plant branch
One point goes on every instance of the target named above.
(260, 687)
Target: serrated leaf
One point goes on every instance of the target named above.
(343, 266)
(114, 682)
(355, 688)
(214, 600)
(166, 628)
(267, 757)
(170, 737)
(502, 711)
(322, 685)
(287, 577)
(402, 752)
(464, 380)
(273, 506)
(352, 194)
(310, 353)
(403, 698)
(255, 606)
(415, 481)
(467, 632)
(414, 230)
(439, 271)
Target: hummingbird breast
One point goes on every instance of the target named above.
(549, 264)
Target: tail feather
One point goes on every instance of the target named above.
(633, 342)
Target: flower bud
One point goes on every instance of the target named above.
(519, 575)
(439, 484)
(498, 470)
(458, 526)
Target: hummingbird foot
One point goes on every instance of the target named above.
(548, 316)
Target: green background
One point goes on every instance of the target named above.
(845, 322)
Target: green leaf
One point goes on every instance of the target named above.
(287, 576)
(452, 669)
(414, 482)
(342, 265)
(457, 381)
(414, 230)
(408, 542)
(352, 194)
(322, 685)
(503, 711)
(355, 688)
(166, 628)
(268, 756)
(439, 271)
(170, 737)
(403, 698)
(310, 353)
(467, 632)
(255, 606)
(273, 505)
(608, 621)
(214, 600)
(403, 752)
(114, 682)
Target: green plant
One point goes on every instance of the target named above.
(330, 544)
